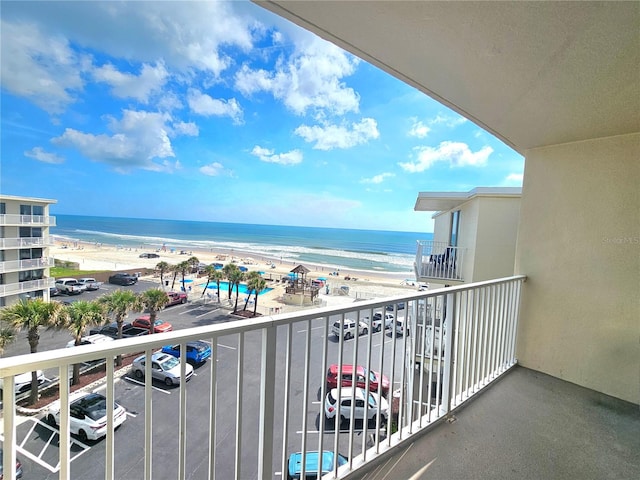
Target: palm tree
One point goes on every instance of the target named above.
(236, 277)
(217, 276)
(31, 315)
(162, 268)
(7, 336)
(209, 271)
(183, 268)
(175, 269)
(153, 300)
(256, 284)
(79, 316)
(252, 278)
(229, 271)
(194, 263)
(118, 304)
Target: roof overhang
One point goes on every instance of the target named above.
(532, 73)
(445, 201)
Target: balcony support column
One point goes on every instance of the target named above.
(267, 403)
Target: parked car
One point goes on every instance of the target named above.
(22, 381)
(18, 466)
(159, 326)
(347, 375)
(175, 298)
(69, 286)
(402, 327)
(123, 279)
(378, 320)
(111, 330)
(341, 407)
(90, 284)
(351, 328)
(164, 367)
(390, 308)
(54, 292)
(149, 255)
(87, 415)
(91, 340)
(311, 464)
(197, 351)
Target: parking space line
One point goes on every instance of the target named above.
(226, 346)
(312, 328)
(133, 380)
(207, 313)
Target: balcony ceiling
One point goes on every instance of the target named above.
(532, 73)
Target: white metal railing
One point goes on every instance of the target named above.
(17, 265)
(29, 286)
(439, 260)
(26, 242)
(290, 354)
(17, 219)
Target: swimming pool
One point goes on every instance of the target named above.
(224, 286)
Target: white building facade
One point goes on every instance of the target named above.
(24, 248)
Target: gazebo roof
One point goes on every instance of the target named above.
(300, 269)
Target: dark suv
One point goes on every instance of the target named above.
(123, 279)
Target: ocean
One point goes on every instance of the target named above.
(357, 250)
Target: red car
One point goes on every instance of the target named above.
(175, 298)
(159, 326)
(361, 378)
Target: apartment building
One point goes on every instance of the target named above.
(24, 248)
(474, 235)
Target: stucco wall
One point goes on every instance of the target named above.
(579, 245)
(497, 227)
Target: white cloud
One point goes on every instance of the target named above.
(328, 137)
(310, 79)
(447, 120)
(377, 179)
(43, 69)
(213, 169)
(290, 158)
(418, 129)
(186, 128)
(39, 154)
(515, 178)
(127, 85)
(457, 154)
(204, 105)
(139, 140)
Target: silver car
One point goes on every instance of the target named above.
(164, 367)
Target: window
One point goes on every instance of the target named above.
(38, 210)
(3, 208)
(455, 226)
(25, 209)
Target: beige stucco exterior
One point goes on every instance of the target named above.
(579, 245)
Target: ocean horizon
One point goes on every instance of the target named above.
(349, 249)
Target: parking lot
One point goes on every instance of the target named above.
(37, 441)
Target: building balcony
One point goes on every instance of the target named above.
(31, 264)
(25, 242)
(25, 287)
(28, 220)
(261, 395)
(439, 262)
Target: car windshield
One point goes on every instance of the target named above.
(169, 363)
(372, 401)
(95, 406)
(201, 347)
(158, 322)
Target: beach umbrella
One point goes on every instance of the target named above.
(322, 279)
(243, 269)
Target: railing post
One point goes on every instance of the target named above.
(447, 329)
(267, 403)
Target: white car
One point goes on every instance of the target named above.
(91, 340)
(402, 327)
(164, 367)
(375, 402)
(22, 381)
(89, 283)
(351, 328)
(87, 415)
(378, 321)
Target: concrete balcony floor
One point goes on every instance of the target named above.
(526, 426)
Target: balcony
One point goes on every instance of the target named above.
(439, 262)
(263, 395)
(31, 264)
(24, 242)
(25, 287)
(31, 220)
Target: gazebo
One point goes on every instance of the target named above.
(299, 287)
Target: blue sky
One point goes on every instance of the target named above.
(221, 112)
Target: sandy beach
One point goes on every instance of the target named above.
(359, 285)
